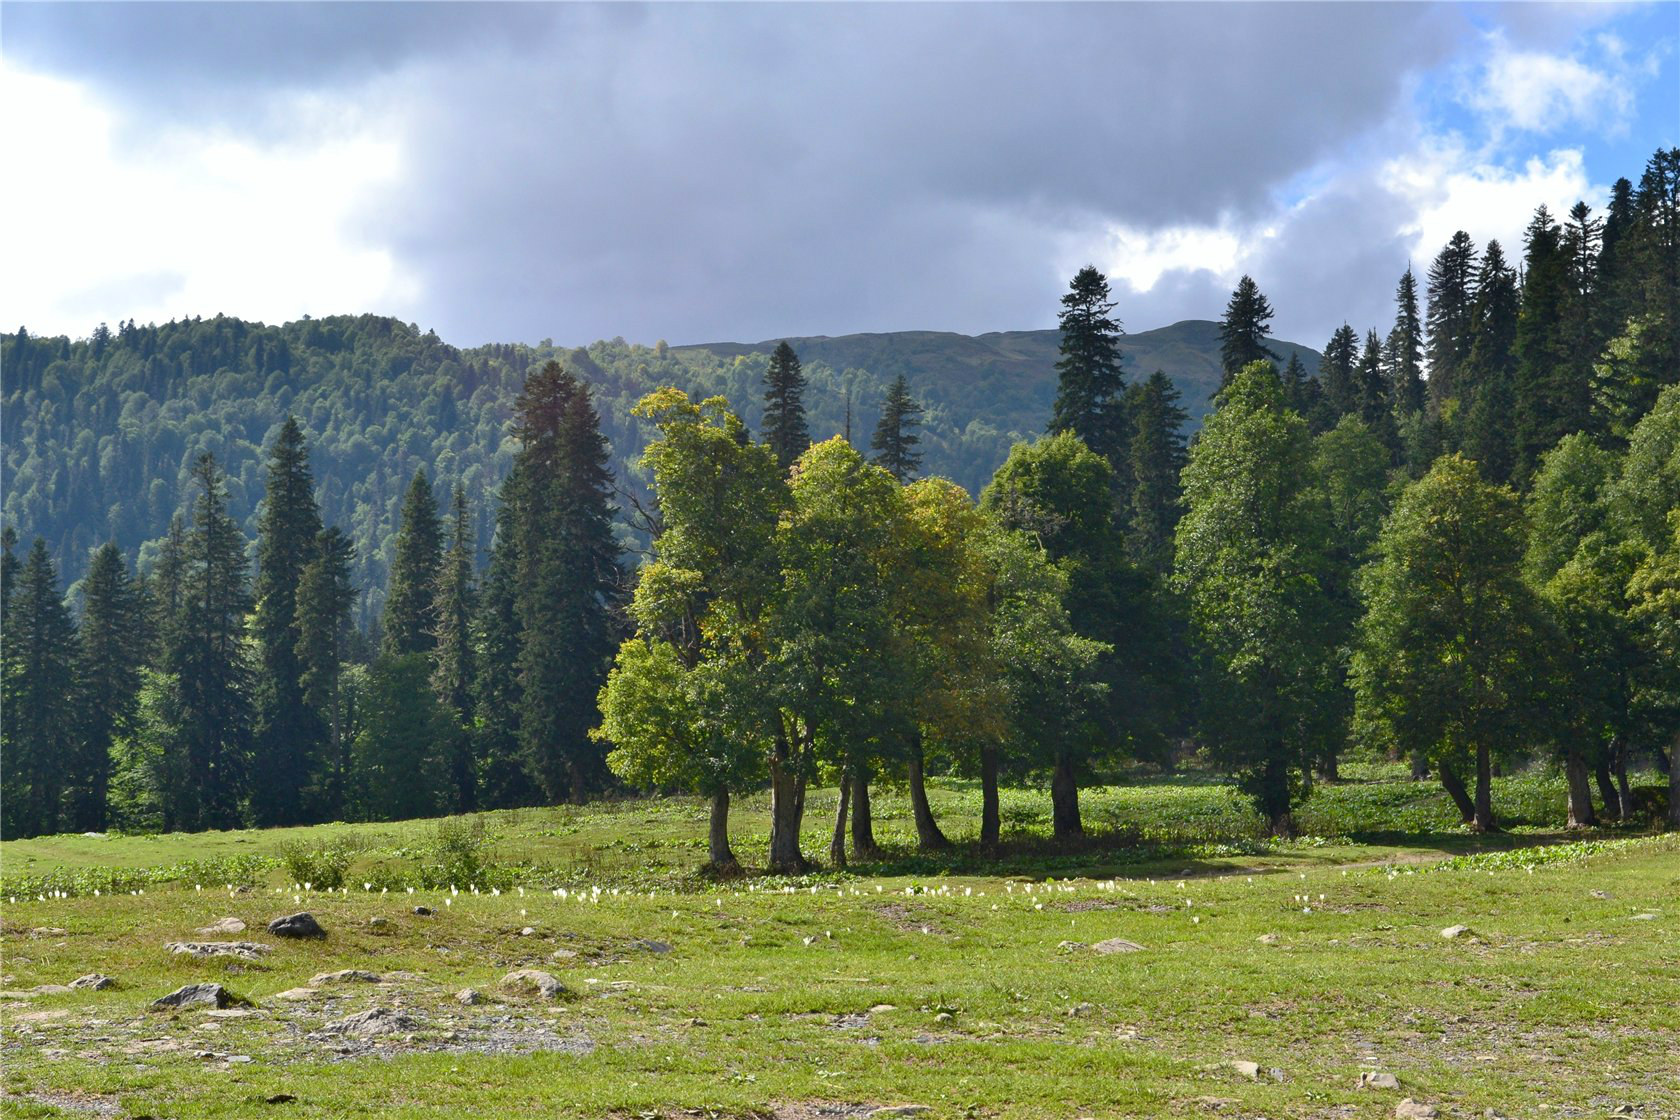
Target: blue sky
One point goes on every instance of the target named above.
(700, 172)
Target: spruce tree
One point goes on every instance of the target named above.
(1487, 414)
(419, 553)
(567, 580)
(37, 698)
(325, 597)
(9, 567)
(289, 733)
(1091, 386)
(1375, 394)
(209, 708)
(1242, 333)
(895, 438)
(112, 651)
(1338, 372)
(784, 406)
(1452, 297)
(1157, 460)
(1405, 348)
(456, 603)
(498, 696)
(1552, 397)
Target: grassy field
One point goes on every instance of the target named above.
(965, 987)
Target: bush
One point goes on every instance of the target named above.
(321, 868)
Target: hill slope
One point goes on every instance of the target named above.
(99, 434)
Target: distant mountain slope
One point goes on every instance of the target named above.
(98, 435)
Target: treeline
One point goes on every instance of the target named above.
(1468, 570)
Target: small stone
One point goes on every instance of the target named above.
(244, 950)
(1117, 945)
(1643, 918)
(424, 911)
(293, 994)
(1599, 894)
(1250, 1070)
(1267, 939)
(892, 1110)
(528, 931)
(659, 948)
(371, 1023)
(468, 997)
(379, 924)
(943, 1017)
(94, 980)
(1080, 1009)
(346, 976)
(224, 925)
(882, 1007)
(533, 981)
(239, 1059)
(563, 955)
(1409, 1109)
(1069, 946)
(1378, 1081)
(198, 995)
(52, 989)
(296, 925)
(1453, 932)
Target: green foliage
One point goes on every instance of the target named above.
(895, 438)
(39, 667)
(398, 765)
(1242, 333)
(785, 429)
(409, 594)
(318, 868)
(1090, 383)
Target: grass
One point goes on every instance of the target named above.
(987, 1001)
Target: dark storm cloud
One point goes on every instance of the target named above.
(700, 172)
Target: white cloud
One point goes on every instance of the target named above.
(1140, 257)
(1534, 91)
(179, 223)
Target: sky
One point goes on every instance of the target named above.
(707, 172)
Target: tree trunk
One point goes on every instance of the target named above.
(1064, 799)
(928, 836)
(863, 820)
(1483, 821)
(1607, 784)
(1327, 767)
(1674, 783)
(1624, 795)
(837, 846)
(990, 819)
(1274, 800)
(786, 813)
(1454, 785)
(1580, 791)
(1420, 766)
(720, 857)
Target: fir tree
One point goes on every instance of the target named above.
(1090, 388)
(1488, 415)
(419, 552)
(895, 437)
(1552, 398)
(9, 567)
(1242, 333)
(325, 597)
(289, 733)
(1452, 297)
(1338, 373)
(452, 661)
(784, 406)
(497, 695)
(112, 651)
(1405, 348)
(1158, 458)
(1375, 394)
(37, 698)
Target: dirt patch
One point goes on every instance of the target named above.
(84, 1104)
(911, 919)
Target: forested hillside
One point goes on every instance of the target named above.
(100, 434)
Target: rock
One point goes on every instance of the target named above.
(297, 925)
(198, 995)
(1409, 1109)
(1250, 1070)
(529, 981)
(943, 1017)
(224, 925)
(379, 924)
(563, 954)
(346, 976)
(1378, 1081)
(1117, 945)
(468, 997)
(1080, 1009)
(424, 911)
(239, 1059)
(1069, 946)
(1643, 918)
(96, 981)
(659, 948)
(244, 950)
(1453, 932)
(293, 994)
(891, 1110)
(373, 1022)
(1600, 894)
(1267, 939)
(881, 1007)
(51, 989)
(528, 931)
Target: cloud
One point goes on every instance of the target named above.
(1536, 91)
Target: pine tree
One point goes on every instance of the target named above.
(1375, 394)
(37, 699)
(895, 437)
(209, 708)
(1452, 297)
(1552, 397)
(289, 733)
(1091, 386)
(567, 579)
(419, 552)
(1405, 349)
(455, 604)
(784, 406)
(1158, 458)
(1242, 333)
(112, 651)
(9, 567)
(498, 696)
(1338, 372)
(1487, 415)
(325, 598)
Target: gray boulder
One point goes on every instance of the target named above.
(296, 925)
(533, 981)
(199, 995)
(94, 980)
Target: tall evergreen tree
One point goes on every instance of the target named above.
(1452, 297)
(325, 598)
(453, 669)
(1091, 385)
(1158, 458)
(37, 699)
(498, 696)
(209, 708)
(1376, 394)
(419, 553)
(289, 733)
(895, 438)
(10, 565)
(1405, 348)
(1552, 397)
(784, 406)
(1338, 372)
(1242, 333)
(567, 579)
(1485, 425)
(112, 640)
